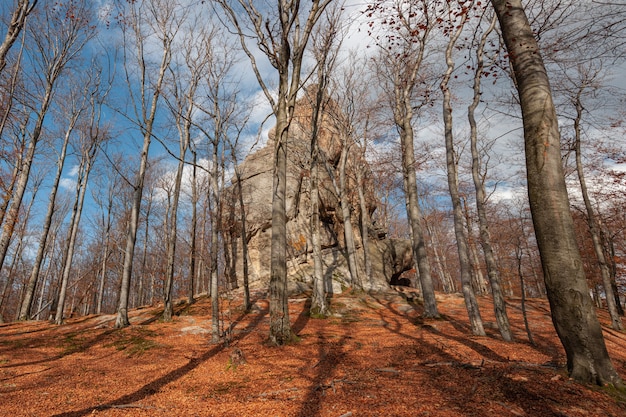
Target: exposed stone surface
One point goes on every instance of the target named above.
(389, 256)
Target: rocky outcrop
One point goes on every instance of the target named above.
(389, 256)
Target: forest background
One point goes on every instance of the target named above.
(122, 124)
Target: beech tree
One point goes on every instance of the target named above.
(59, 42)
(22, 9)
(572, 309)
(454, 25)
(478, 178)
(399, 66)
(282, 36)
(77, 100)
(141, 22)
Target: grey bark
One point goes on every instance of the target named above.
(594, 230)
(18, 21)
(471, 304)
(283, 41)
(572, 309)
(145, 120)
(81, 189)
(47, 222)
(499, 304)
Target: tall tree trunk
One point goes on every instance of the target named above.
(11, 215)
(147, 122)
(18, 20)
(319, 306)
(364, 223)
(348, 231)
(34, 275)
(83, 178)
(453, 186)
(572, 309)
(499, 304)
(616, 321)
(194, 226)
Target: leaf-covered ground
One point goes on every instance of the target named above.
(374, 357)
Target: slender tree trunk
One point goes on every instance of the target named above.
(194, 226)
(364, 222)
(572, 309)
(18, 20)
(347, 217)
(168, 311)
(147, 122)
(499, 304)
(319, 306)
(244, 237)
(616, 321)
(11, 215)
(453, 187)
(81, 190)
(519, 254)
(34, 275)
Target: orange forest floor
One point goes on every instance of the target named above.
(375, 357)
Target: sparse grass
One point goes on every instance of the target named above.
(72, 343)
(135, 341)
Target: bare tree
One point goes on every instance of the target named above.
(141, 21)
(499, 304)
(22, 9)
(455, 25)
(283, 39)
(89, 144)
(77, 102)
(587, 81)
(197, 53)
(573, 313)
(60, 42)
(400, 69)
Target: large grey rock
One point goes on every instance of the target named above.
(389, 256)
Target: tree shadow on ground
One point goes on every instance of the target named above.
(153, 387)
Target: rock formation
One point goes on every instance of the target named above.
(389, 257)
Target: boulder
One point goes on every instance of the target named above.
(389, 256)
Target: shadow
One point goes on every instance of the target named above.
(498, 378)
(81, 347)
(303, 318)
(330, 354)
(154, 386)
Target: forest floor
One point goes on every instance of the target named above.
(375, 357)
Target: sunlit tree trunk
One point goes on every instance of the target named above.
(167, 23)
(453, 187)
(616, 321)
(18, 21)
(283, 41)
(47, 222)
(499, 304)
(572, 309)
(56, 43)
(86, 164)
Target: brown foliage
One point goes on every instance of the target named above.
(375, 356)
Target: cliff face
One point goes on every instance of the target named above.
(389, 256)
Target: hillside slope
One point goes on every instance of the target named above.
(375, 357)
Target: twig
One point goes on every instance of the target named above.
(280, 391)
